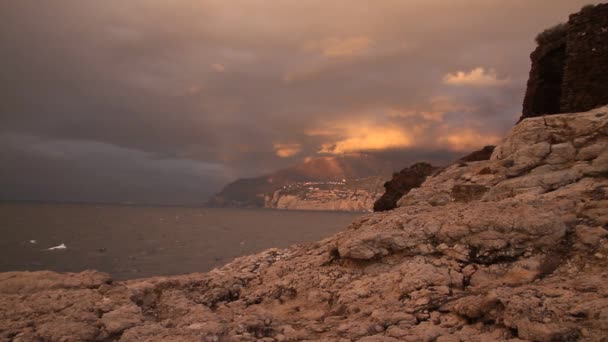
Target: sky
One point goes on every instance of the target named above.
(156, 101)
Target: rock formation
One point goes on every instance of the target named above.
(345, 195)
(350, 182)
(483, 154)
(413, 176)
(514, 248)
(570, 66)
(401, 183)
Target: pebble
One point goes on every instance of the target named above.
(599, 255)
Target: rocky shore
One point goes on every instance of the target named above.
(513, 248)
(510, 248)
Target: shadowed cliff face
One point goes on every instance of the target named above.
(484, 154)
(413, 177)
(402, 182)
(570, 66)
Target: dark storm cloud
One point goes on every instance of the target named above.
(171, 87)
(100, 172)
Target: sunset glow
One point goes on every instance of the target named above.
(180, 89)
(368, 139)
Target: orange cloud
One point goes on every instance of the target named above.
(364, 137)
(340, 47)
(218, 67)
(286, 150)
(436, 116)
(468, 139)
(478, 77)
(433, 111)
(193, 89)
(319, 132)
(302, 74)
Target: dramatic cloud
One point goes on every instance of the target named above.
(467, 140)
(165, 101)
(59, 170)
(287, 150)
(478, 77)
(361, 137)
(340, 47)
(433, 110)
(218, 67)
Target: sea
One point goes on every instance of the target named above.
(142, 241)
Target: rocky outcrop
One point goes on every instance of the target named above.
(514, 248)
(401, 183)
(413, 176)
(483, 154)
(570, 66)
(346, 195)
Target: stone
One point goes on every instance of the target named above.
(124, 317)
(561, 153)
(401, 183)
(590, 235)
(569, 72)
(468, 192)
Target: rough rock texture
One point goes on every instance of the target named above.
(526, 259)
(413, 176)
(345, 195)
(586, 71)
(401, 183)
(570, 66)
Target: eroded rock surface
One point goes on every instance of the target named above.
(514, 248)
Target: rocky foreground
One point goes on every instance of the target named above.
(513, 248)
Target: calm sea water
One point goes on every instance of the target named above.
(133, 242)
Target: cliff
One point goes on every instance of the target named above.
(570, 65)
(413, 176)
(345, 195)
(512, 248)
(350, 182)
(401, 183)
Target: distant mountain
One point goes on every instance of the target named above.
(346, 182)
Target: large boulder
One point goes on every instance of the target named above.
(401, 183)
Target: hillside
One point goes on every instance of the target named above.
(350, 182)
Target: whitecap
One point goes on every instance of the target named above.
(62, 246)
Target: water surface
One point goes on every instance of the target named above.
(133, 242)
